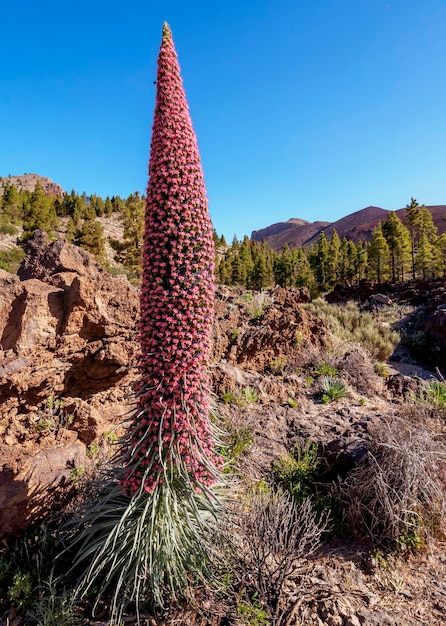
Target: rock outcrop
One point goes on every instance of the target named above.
(67, 356)
(28, 182)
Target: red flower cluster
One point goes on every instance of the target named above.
(171, 437)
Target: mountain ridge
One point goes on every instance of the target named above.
(356, 226)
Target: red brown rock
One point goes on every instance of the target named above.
(67, 345)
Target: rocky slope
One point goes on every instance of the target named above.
(67, 364)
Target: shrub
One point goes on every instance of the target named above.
(433, 392)
(54, 608)
(258, 304)
(395, 496)
(11, 259)
(296, 472)
(348, 323)
(278, 364)
(325, 369)
(8, 229)
(381, 369)
(275, 536)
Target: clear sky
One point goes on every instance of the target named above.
(311, 109)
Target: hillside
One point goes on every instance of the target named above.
(355, 226)
(68, 345)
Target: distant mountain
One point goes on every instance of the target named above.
(28, 182)
(294, 232)
(355, 226)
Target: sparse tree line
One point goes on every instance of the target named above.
(395, 253)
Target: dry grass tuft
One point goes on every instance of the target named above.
(397, 495)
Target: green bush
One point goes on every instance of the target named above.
(324, 369)
(11, 259)
(348, 323)
(436, 392)
(296, 472)
(8, 229)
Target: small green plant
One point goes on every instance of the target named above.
(381, 369)
(21, 590)
(238, 441)
(251, 611)
(434, 392)
(45, 424)
(309, 381)
(278, 364)
(362, 401)
(50, 402)
(298, 338)
(11, 259)
(93, 450)
(77, 474)
(412, 540)
(324, 369)
(332, 389)
(110, 436)
(55, 609)
(379, 559)
(234, 334)
(296, 471)
(241, 440)
(250, 395)
(228, 397)
(292, 403)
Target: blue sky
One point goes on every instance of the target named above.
(308, 109)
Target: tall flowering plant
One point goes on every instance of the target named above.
(148, 535)
(171, 436)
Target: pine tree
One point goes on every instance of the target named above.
(303, 274)
(259, 275)
(333, 259)
(11, 204)
(398, 240)
(90, 236)
(108, 207)
(129, 251)
(378, 254)
(39, 213)
(283, 268)
(319, 260)
(420, 222)
(440, 255)
(425, 257)
(361, 261)
(347, 261)
(149, 533)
